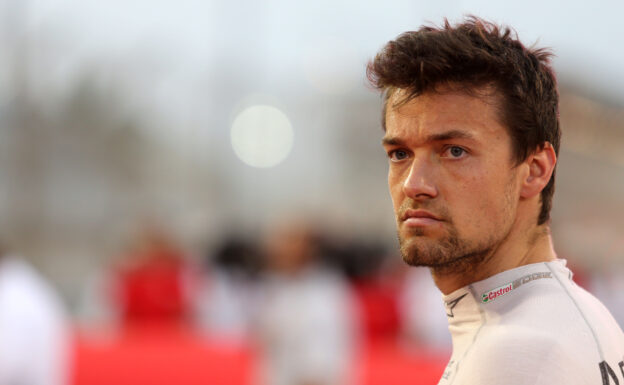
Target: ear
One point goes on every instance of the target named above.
(541, 165)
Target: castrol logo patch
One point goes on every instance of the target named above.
(491, 295)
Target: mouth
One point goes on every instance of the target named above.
(419, 218)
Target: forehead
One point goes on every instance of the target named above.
(475, 113)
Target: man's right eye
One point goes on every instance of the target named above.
(397, 155)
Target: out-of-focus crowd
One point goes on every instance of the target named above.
(308, 299)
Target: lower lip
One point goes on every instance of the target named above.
(420, 222)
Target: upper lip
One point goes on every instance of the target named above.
(419, 214)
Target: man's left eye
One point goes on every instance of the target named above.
(455, 151)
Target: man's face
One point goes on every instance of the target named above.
(452, 179)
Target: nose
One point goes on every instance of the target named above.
(419, 183)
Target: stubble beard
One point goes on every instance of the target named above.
(452, 254)
(448, 255)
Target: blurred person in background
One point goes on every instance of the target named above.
(608, 285)
(472, 137)
(422, 314)
(375, 284)
(152, 280)
(226, 291)
(34, 332)
(304, 313)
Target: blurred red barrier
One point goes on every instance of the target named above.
(387, 364)
(159, 356)
(166, 356)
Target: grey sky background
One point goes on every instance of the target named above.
(183, 38)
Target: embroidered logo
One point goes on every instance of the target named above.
(451, 305)
(502, 290)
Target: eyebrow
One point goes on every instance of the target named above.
(447, 135)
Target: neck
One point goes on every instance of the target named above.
(533, 247)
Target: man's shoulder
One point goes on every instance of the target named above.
(574, 317)
(558, 311)
(518, 339)
(523, 356)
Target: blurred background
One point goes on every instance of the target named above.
(198, 192)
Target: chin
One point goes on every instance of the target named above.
(421, 251)
(450, 255)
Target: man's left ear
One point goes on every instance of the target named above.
(541, 167)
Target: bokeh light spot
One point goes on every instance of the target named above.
(262, 136)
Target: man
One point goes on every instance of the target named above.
(472, 137)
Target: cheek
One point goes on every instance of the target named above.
(478, 204)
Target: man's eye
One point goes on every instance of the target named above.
(397, 155)
(455, 152)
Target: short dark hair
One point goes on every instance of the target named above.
(474, 54)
